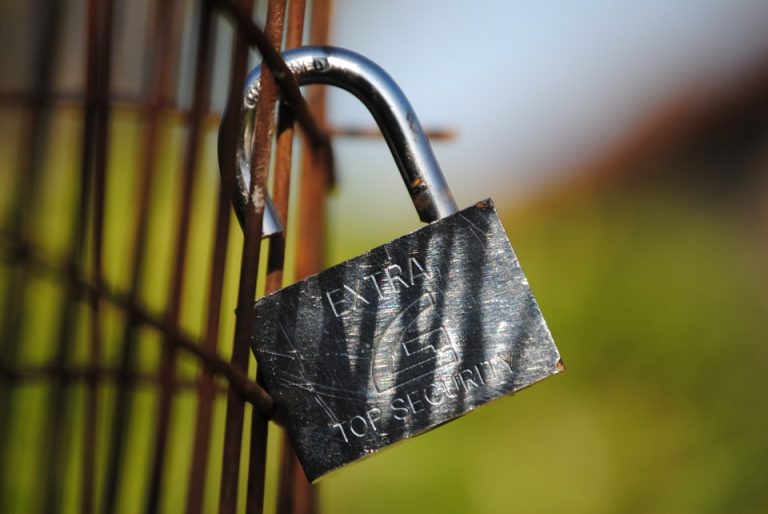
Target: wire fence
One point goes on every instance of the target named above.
(99, 400)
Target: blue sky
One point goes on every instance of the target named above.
(536, 88)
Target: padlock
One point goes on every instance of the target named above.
(413, 333)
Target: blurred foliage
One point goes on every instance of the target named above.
(657, 298)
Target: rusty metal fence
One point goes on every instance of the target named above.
(75, 453)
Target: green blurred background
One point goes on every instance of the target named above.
(626, 149)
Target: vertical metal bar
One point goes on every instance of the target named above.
(167, 369)
(282, 74)
(103, 64)
(158, 79)
(25, 200)
(54, 443)
(287, 484)
(265, 122)
(34, 143)
(205, 388)
(316, 179)
(246, 293)
(316, 173)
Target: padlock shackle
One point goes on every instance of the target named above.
(390, 108)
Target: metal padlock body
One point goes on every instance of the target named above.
(410, 335)
(402, 339)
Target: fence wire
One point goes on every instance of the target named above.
(111, 356)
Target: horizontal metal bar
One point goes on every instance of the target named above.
(14, 251)
(100, 373)
(74, 100)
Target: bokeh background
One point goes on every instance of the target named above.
(626, 148)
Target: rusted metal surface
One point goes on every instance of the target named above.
(254, 214)
(78, 405)
(282, 75)
(92, 183)
(102, 373)
(296, 494)
(127, 102)
(265, 126)
(316, 177)
(282, 179)
(35, 138)
(80, 286)
(434, 134)
(205, 391)
(100, 17)
(167, 369)
(163, 38)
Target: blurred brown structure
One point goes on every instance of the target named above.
(716, 138)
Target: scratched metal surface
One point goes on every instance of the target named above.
(399, 340)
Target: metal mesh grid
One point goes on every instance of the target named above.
(118, 286)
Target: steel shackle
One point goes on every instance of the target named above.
(390, 108)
